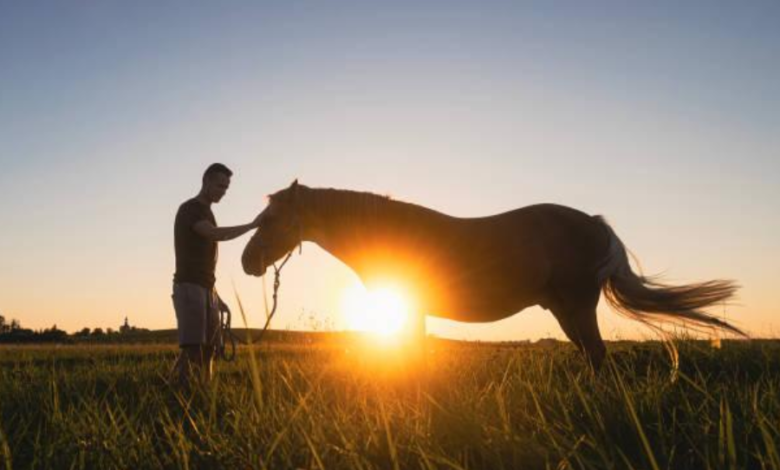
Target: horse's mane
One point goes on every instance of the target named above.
(348, 204)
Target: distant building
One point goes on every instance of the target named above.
(126, 328)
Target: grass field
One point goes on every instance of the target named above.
(337, 406)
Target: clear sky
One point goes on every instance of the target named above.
(663, 116)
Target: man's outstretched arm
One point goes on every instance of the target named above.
(207, 230)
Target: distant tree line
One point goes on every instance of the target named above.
(13, 332)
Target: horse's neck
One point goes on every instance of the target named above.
(329, 210)
(337, 220)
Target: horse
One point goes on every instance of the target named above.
(483, 269)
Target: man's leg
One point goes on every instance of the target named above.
(212, 336)
(190, 364)
(207, 353)
(192, 309)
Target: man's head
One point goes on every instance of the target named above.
(216, 180)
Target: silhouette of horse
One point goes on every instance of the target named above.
(482, 269)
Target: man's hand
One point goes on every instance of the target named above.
(223, 307)
(259, 219)
(209, 231)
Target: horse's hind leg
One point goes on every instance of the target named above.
(577, 317)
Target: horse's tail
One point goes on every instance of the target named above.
(650, 301)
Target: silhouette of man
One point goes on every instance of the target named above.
(195, 300)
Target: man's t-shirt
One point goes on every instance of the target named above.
(196, 256)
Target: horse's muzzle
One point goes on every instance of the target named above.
(252, 261)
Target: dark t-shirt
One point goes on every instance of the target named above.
(196, 256)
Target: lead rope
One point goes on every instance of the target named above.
(277, 283)
(274, 298)
(225, 320)
(225, 315)
(228, 354)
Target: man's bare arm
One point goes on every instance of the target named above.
(207, 230)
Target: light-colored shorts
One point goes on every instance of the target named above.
(197, 314)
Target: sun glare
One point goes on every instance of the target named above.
(381, 311)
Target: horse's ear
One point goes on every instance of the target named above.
(291, 193)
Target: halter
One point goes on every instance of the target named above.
(277, 278)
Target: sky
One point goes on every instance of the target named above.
(662, 116)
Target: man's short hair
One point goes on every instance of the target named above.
(215, 168)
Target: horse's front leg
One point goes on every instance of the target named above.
(416, 339)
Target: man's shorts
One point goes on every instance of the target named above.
(197, 314)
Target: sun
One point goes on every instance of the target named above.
(382, 311)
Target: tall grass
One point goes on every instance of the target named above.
(339, 406)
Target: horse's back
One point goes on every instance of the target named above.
(501, 264)
(553, 225)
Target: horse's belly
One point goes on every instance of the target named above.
(479, 314)
(484, 293)
(484, 305)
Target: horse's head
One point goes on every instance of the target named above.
(279, 231)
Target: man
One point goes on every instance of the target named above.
(195, 300)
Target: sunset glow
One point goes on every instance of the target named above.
(382, 311)
(469, 109)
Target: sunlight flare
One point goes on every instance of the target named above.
(382, 311)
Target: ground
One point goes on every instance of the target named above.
(339, 405)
